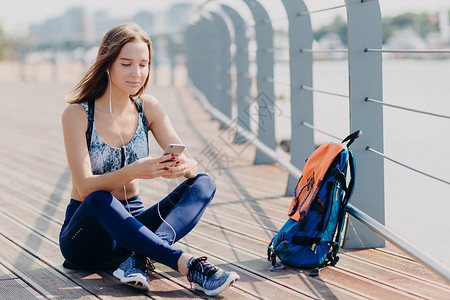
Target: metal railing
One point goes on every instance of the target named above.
(218, 78)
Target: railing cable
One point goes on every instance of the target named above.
(406, 108)
(406, 166)
(323, 51)
(408, 51)
(308, 88)
(305, 13)
(306, 124)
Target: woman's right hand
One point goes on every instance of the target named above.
(152, 167)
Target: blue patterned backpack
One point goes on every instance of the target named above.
(311, 236)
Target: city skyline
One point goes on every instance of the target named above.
(80, 27)
(38, 11)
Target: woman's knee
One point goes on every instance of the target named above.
(206, 184)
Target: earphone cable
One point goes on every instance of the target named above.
(121, 139)
(125, 163)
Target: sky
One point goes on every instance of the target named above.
(17, 15)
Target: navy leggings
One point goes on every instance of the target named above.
(96, 229)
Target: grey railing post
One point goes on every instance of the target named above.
(208, 59)
(201, 58)
(223, 65)
(365, 80)
(266, 94)
(301, 73)
(241, 63)
(210, 72)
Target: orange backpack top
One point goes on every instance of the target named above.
(313, 172)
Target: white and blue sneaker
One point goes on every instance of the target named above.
(209, 278)
(133, 272)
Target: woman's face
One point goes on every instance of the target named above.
(131, 68)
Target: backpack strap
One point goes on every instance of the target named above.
(307, 241)
(332, 257)
(272, 256)
(90, 115)
(348, 194)
(351, 184)
(352, 137)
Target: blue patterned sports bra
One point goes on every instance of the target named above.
(106, 159)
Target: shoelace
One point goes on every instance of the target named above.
(142, 263)
(200, 268)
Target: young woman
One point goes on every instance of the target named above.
(106, 130)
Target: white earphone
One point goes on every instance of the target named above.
(124, 149)
(118, 131)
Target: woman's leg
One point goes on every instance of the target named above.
(100, 222)
(181, 209)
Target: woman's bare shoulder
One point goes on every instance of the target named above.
(152, 107)
(74, 113)
(149, 100)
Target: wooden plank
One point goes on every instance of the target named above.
(258, 276)
(29, 243)
(12, 287)
(404, 266)
(102, 284)
(37, 275)
(339, 277)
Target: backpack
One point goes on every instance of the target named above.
(311, 236)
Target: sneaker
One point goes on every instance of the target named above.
(209, 278)
(133, 272)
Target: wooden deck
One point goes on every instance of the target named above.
(248, 209)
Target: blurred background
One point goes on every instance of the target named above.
(45, 34)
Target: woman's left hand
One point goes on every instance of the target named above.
(182, 166)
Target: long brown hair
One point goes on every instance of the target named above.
(95, 82)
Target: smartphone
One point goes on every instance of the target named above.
(175, 149)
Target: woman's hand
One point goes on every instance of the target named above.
(152, 167)
(181, 166)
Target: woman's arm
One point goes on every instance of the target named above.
(164, 133)
(74, 123)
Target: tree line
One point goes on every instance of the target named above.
(422, 23)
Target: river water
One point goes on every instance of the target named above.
(417, 207)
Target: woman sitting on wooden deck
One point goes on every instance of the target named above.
(106, 130)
